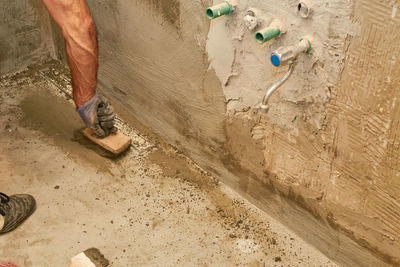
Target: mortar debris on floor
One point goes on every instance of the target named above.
(150, 206)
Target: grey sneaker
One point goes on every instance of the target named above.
(15, 210)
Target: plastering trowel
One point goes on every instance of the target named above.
(116, 142)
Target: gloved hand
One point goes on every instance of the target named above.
(98, 115)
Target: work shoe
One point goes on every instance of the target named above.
(15, 210)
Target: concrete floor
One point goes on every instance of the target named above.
(150, 207)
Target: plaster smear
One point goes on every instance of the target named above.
(220, 52)
(243, 66)
(161, 49)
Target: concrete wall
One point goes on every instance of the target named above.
(324, 160)
(25, 34)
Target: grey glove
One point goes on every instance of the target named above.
(106, 116)
(98, 115)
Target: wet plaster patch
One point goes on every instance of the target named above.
(55, 118)
(58, 76)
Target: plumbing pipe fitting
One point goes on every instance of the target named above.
(287, 54)
(250, 19)
(266, 34)
(282, 56)
(219, 10)
(304, 8)
(264, 105)
(275, 29)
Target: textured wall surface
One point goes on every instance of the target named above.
(323, 160)
(25, 35)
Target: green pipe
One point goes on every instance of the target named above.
(219, 10)
(309, 45)
(266, 34)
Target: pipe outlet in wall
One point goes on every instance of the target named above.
(220, 10)
(251, 20)
(274, 30)
(288, 54)
(304, 8)
(285, 55)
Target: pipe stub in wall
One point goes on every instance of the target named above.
(308, 45)
(219, 10)
(304, 8)
(267, 34)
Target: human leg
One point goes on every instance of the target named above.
(79, 31)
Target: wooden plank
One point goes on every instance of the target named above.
(89, 258)
(116, 142)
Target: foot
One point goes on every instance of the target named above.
(14, 210)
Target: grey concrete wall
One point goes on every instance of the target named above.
(318, 161)
(25, 34)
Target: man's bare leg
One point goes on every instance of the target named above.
(79, 31)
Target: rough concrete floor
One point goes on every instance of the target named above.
(150, 207)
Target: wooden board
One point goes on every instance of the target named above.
(116, 142)
(89, 258)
